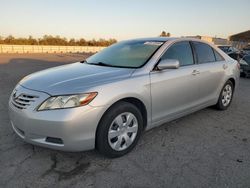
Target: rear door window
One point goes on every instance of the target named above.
(204, 53)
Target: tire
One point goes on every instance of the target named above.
(224, 101)
(119, 130)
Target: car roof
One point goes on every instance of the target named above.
(165, 39)
(158, 39)
(169, 39)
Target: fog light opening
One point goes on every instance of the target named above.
(54, 140)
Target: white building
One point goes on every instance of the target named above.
(214, 40)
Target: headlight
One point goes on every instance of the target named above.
(67, 101)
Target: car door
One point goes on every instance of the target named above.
(174, 90)
(211, 66)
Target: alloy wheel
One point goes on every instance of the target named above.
(227, 95)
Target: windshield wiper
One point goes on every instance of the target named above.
(106, 65)
(84, 61)
(103, 64)
(99, 63)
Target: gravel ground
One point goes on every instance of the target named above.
(208, 148)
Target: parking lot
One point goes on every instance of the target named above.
(208, 148)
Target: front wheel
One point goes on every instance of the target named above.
(226, 96)
(119, 130)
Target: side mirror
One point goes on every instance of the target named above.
(168, 64)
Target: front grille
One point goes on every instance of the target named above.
(22, 101)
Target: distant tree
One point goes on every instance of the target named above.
(165, 34)
(9, 40)
(72, 42)
(32, 41)
(55, 40)
(82, 42)
(111, 41)
(102, 42)
(1, 40)
(92, 42)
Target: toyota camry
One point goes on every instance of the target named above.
(109, 99)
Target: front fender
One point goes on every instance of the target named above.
(135, 87)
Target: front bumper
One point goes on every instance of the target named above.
(65, 129)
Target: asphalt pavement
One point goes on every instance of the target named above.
(208, 148)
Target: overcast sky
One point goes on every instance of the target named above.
(123, 19)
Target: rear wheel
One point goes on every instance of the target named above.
(119, 130)
(226, 96)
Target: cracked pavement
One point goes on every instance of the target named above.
(208, 148)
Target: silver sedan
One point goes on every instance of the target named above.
(108, 100)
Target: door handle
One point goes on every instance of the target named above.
(195, 72)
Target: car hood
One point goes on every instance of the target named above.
(73, 78)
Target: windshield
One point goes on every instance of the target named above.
(128, 54)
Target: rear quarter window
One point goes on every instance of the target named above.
(218, 57)
(204, 52)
